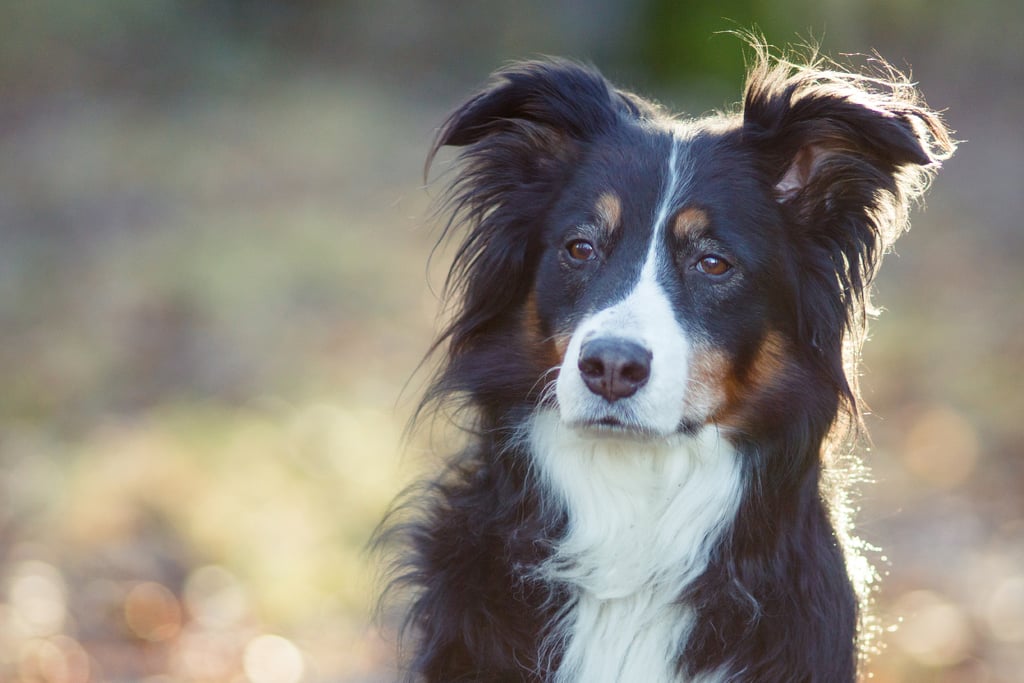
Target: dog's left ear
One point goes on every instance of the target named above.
(845, 155)
(830, 136)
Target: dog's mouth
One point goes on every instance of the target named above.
(610, 426)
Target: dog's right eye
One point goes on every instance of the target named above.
(581, 250)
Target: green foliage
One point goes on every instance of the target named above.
(689, 41)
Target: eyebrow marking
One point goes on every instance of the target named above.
(690, 220)
(609, 210)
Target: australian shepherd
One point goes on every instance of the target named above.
(655, 325)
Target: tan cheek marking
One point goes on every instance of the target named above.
(548, 350)
(531, 319)
(609, 210)
(765, 372)
(689, 220)
(770, 362)
(709, 386)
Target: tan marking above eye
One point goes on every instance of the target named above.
(609, 210)
(689, 220)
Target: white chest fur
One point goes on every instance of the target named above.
(643, 518)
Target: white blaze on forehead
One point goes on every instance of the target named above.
(674, 186)
(646, 316)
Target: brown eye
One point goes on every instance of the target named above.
(581, 250)
(713, 265)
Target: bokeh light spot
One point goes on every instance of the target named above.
(215, 598)
(53, 660)
(941, 448)
(934, 632)
(207, 656)
(152, 612)
(273, 659)
(1006, 610)
(38, 598)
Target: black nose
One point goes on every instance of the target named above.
(614, 368)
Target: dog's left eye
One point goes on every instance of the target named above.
(713, 265)
(581, 250)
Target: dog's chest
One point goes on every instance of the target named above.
(642, 521)
(631, 638)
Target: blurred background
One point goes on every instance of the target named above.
(214, 289)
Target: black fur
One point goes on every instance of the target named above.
(814, 177)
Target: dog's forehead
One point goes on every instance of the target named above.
(695, 171)
(621, 175)
(634, 154)
(644, 162)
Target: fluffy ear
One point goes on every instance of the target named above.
(555, 96)
(519, 137)
(845, 155)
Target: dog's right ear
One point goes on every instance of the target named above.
(540, 109)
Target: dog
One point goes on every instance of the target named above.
(654, 338)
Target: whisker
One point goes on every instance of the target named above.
(547, 392)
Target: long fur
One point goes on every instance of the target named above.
(546, 551)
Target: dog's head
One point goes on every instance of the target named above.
(649, 275)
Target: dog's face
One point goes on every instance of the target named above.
(661, 284)
(645, 276)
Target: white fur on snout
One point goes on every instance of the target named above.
(646, 316)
